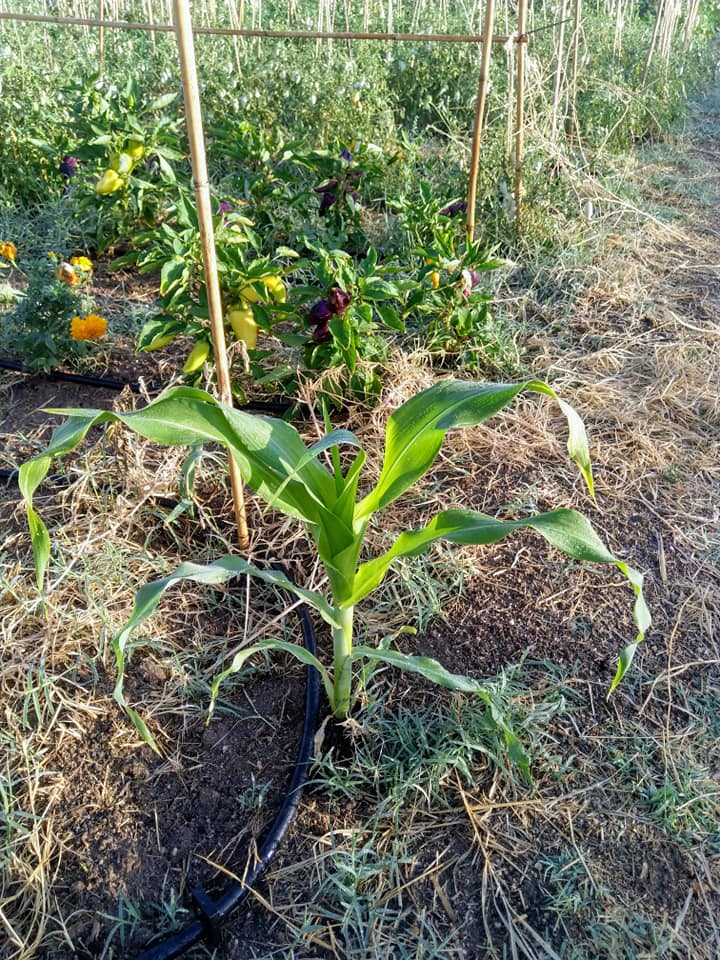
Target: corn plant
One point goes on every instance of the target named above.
(294, 479)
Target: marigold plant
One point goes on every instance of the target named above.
(66, 273)
(83, 264)
(54, 319)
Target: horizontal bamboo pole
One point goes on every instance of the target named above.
(241, 32)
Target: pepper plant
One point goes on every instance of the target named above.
(294, 479)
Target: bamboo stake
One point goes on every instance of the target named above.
(520, 105)
(479, 114)
(234, 22)
(509, 111)
(151, 19)
(577, 23)
(557, 80)
(690, 19)
(320, 26)
(620, 12)
(277, 34)
(670, 22)
(186, 48)
(101, 37)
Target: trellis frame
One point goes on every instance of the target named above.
(154, 27)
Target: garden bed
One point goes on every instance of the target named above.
(418, 836)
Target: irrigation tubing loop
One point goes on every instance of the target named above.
(213, 913)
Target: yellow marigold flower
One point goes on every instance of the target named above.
(8, 250)
(82, 263)
(91, 327)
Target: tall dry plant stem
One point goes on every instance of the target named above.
(151, 24)
(690, 18)
(621, 11)
(510, 101)
(186, 48)
(669, 26)
(520, 104)
(574, 59)
(653, 42)
(236, 23)
(101, 37)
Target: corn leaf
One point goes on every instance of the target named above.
(565, 529)
(270, 454)
(295, 649)
(219, 571)
(426, 666)
(416, 430)
(31, 474)
(436, 673)
(266, 450)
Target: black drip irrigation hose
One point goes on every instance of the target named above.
(211, 914)
(58, 375)
(11, 477)
(260, 406)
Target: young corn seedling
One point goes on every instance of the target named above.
(292, 478)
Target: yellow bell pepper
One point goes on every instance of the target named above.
(197, 357)
(122, 163)
(109, 183)
(276, 288)
(243, 324)
(160, 341)
(135, 149)
(250, 295)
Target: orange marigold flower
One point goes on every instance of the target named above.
(82, 263)
(91, 327)
(8, 250)
(67, 273)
